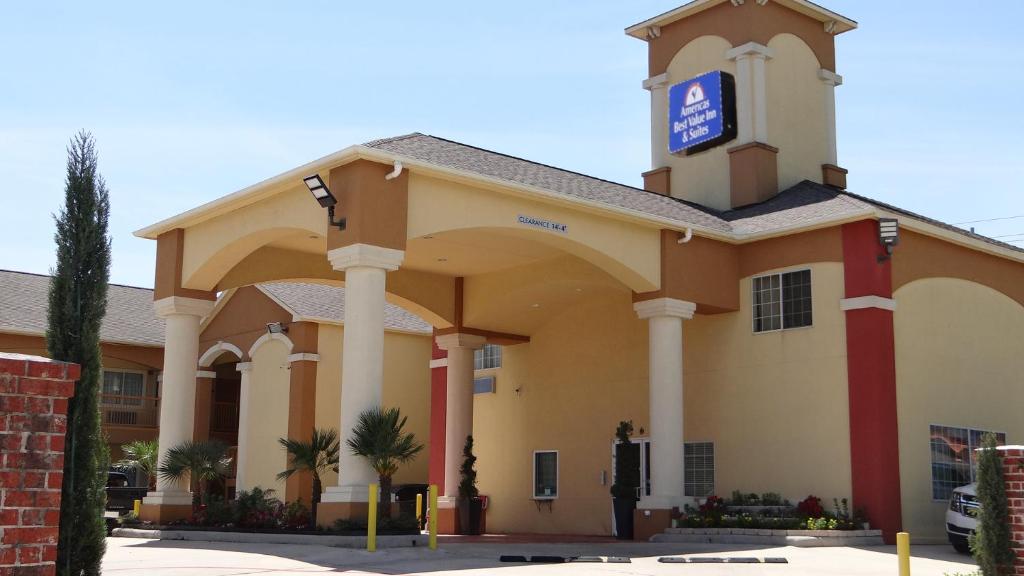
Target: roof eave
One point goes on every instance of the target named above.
(819, 13)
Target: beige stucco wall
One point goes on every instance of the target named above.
(959, 362)
(406, 385)
(703, 177)
(627, 251)
(268, 416)
(775, 405)
(796, 110)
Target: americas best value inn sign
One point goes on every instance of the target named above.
(701, 112)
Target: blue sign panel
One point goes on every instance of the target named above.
(701, 112)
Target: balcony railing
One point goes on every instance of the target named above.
(224, 417)
(138, 411)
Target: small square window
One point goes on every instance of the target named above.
(487, 357)
(545, 474)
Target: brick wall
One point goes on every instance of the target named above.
(34, 395)
(1013, 475)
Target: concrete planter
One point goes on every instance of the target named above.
(768, 537)
(409, 540)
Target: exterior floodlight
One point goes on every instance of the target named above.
(276, 328)
(888, 234)
(324, 197)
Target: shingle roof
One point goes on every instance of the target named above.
(803, 204)
(130, 318)
(519, 171)
(328, 302)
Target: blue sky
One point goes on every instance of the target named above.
(189, 101)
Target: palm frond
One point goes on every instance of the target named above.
(379, 437)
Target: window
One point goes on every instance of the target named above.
(123, 387)
(782, 301)
(698, 469)
(483, 385)
(954, 461)
(487, 357)
(545, 474)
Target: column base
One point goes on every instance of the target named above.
(168, 498)
(447, 515)
(327, 513)
(647, 522)
(164, 513)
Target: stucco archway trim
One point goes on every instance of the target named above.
(267, 338)
(216, 350)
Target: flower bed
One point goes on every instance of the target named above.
(808, 514)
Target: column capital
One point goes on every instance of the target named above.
(665, 307)
(366, 255)
(244, 367)
(459, 340)
(171, 305)
(829, 78)
(750, 49)
(206, 374)
(303, 356)
(656, 82)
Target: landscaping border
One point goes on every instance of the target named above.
(383, 541)
(801, 538)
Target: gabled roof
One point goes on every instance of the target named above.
(324, 303)
(839, 22)
(130, 319)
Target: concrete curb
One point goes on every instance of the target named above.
(358, 542)
(801, 538)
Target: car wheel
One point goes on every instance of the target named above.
(960, 544)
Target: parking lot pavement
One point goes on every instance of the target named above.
(129, 557)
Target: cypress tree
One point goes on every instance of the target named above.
(991, 541)
(77, 304)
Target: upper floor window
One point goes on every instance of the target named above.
(782, 301)
(487, 357)
(123, 387)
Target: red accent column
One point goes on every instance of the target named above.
(871, 372)
(438, 410)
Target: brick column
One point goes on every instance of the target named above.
(34, 395)
(1013, 476)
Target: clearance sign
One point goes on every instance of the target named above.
(701, 112)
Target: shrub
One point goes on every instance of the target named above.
(810, 507)
(296, 516)
(257, 508)
(771, 499)
(991, 543)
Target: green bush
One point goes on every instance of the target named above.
(991, 542)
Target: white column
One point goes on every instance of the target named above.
(665, 333)
(362, 372)
(658, 87)
(244, 398)
(751, 92)
(178, 390)
(459, 408)
(830, 80)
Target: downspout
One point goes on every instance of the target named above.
(686, 237)
(396, 172)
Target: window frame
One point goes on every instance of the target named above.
(557, 475)
(782, 301)
(141, 397)
(714, 466)
(483, 359)
(970, 449)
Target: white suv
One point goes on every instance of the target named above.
(962, 517)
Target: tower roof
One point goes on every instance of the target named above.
(833, 22)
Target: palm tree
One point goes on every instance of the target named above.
(379, 438)
(317, 456)
(141, 455)
(201, 461)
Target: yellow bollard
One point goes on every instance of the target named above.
(371, 521)
(419, 508)
(903, 552)
(433, 517)
(137, 508)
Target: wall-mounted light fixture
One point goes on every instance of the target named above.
(276, 328)
(888, 236)
(325, 198)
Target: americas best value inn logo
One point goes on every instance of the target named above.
(697, 114)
